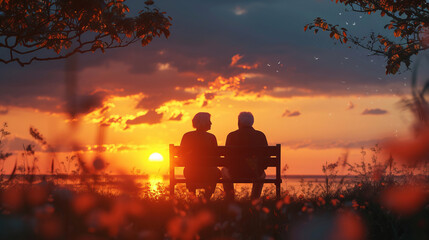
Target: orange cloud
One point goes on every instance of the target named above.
(237, 58)
(224, 84)
(151, 117)
(114, 147)
(244, 66)
(177, 117)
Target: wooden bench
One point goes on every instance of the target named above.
(272, 161)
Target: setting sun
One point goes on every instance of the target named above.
(156, 157)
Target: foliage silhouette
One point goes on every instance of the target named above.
(409, 21)
(3, 134)
(29, 28)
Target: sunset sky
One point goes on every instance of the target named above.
(316, 98)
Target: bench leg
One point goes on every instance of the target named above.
(172, 189)
(278, 190)
(228, 188)
(256, 190)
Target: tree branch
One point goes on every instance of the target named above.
(60, 25)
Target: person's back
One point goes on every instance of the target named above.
(199, 152)
(199, 149)
(246, 152)
(246, 156)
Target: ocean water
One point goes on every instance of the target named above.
(292, 184)
(158, 185)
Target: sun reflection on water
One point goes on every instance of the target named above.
(154, 182)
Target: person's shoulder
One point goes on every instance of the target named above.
(210, 134)
(203, 134)
(188, 134)
(233, 133)
(231, 137)
(260, 133)
(210, 137)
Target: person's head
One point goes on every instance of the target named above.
(201, 121)
(245, 119)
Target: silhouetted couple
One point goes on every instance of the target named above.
(245, 156)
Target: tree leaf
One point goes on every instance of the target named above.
(397, 32)
(337, 36)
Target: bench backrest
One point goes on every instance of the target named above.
(272, 151)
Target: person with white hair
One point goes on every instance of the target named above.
(245, 156)
(199, 151)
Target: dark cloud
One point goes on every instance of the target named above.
(374, 111)
(209, 96)
(30, 87)
(155, 100)
(151, 117)
(44, 89)
(288, 113)
(85, 104)
(111, 120)
(177, 117)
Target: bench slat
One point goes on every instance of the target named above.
(271, 150)
(182, 180)
(270, 163)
